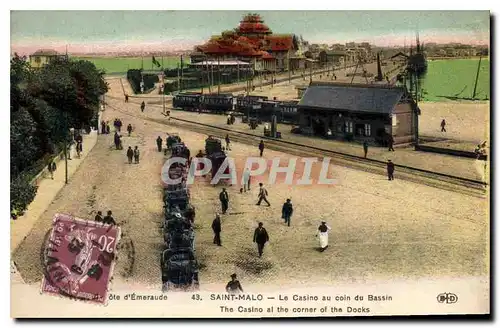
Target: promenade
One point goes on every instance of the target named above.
(48, 190)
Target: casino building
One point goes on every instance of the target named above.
(252, 42)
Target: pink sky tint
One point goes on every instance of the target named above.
(27, 47)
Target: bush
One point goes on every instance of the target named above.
(22, 193)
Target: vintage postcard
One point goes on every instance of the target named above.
(235, 164)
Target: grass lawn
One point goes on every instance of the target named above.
(123, 64)
(456, 78)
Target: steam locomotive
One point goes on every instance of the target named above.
(259, 107)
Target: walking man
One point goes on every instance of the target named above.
(52, 168)
(234, 286)
(390, 170)
(443, 124)
(159, 141)
(103, 127)
(224, 200)
(129, 129)
(260, 237)
(262, 195)
(286, 211)
(119, 124)
(261, 147)
(246, 180)
(136, 155)
(108, 219)
(391, 143)
(79, 148)
(228, 142)
(143, 105)
(126, 98)
(130, 154)
(365, 148)
(216, 227)
(323, 236)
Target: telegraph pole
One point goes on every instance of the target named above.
(289, 69)
(66, 128)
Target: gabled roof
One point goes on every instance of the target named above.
(399, 54)
(279, 42)
(364, 98)
(45, 52)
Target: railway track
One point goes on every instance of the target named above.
(435, 179)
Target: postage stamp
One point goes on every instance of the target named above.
(79, 258)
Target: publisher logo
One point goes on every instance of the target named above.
(448, 298)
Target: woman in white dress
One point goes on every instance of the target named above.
(323, 235)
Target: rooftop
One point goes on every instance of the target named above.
(366, 98)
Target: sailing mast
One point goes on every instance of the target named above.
(477, 77)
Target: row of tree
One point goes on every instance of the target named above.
(45, 104)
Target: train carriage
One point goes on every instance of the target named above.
(217, 103)
(187, 101)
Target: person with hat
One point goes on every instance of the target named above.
(260, 237)
(234, 286)
(216, 227)
(286, 211)
(390, 170)
(159, 142)
(224, 200)
(108, 219)
(98, 217)
(323, 236)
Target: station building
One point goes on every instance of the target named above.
(358, 112)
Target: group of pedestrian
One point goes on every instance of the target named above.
(133, 154)
(105, 128)
(108, 219)
(118, 124)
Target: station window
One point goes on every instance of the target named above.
(348, 127)
(368, 130)
(394, 120)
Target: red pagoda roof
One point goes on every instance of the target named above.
(256, 40)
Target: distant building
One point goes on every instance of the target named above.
(329, 57)
(44, 56)
(358, 112)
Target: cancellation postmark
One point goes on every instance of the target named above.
(78, 259)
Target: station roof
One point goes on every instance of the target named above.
(352, 97)
(221, 63)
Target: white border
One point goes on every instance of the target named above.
(199, 5)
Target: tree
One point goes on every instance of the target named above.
(44, 104)
(72, 87)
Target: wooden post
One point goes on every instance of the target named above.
(178, 79)
(289, 69)
(477, 77)
(218, 73)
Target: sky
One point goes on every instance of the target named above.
(96, 31)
